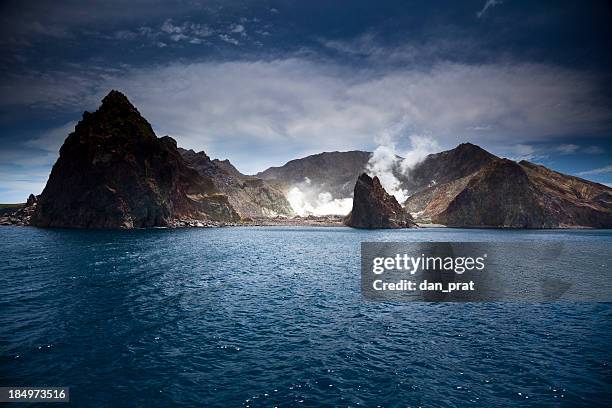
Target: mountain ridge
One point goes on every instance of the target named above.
(334, 172)
(114, 172)
(508, 194)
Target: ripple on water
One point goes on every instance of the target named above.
(274, 316)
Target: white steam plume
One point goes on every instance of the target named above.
(387, 163)
(307, 201)
(382, 163)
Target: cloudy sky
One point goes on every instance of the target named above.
(263, 82)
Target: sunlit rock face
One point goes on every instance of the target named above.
(373, 207)
(250, 196)
(114, 172)
(507, 194)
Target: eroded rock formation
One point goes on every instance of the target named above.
(373, 207)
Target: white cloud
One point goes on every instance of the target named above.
(291, 106)
(420, 147)
(237, 28)
(382, 164)
(521, 151)
(568, 148)
(228, 39)
(169, 28)
(488, 4)
(540, 151)
(179, 37)
(193, 33)
(593, 150)
(323, 203)
(125, 35)
(480, 128)
(571, 148)
(600, 170)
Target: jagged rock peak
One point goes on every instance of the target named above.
(468, 145)
(116, 117)
(117, 100)
(469, 148)
(115, 107)
(373, 207)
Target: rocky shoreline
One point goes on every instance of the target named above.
(21, 217)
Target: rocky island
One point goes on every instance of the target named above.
(114, 172)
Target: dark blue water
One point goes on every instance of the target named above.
(275, 317)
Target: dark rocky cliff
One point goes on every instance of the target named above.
(113, 172)
(373, 207)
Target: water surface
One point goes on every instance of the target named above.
(273, 316)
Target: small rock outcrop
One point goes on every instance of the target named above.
(32, 200)
(114, 172)
(374, 208)
(19, 214)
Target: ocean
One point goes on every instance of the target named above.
(274, 316)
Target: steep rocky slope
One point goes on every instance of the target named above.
(113, 172)
(252, 197)
(447, 166)
(373, 207)
(570, 201)
(333, 172)
(516, 195)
